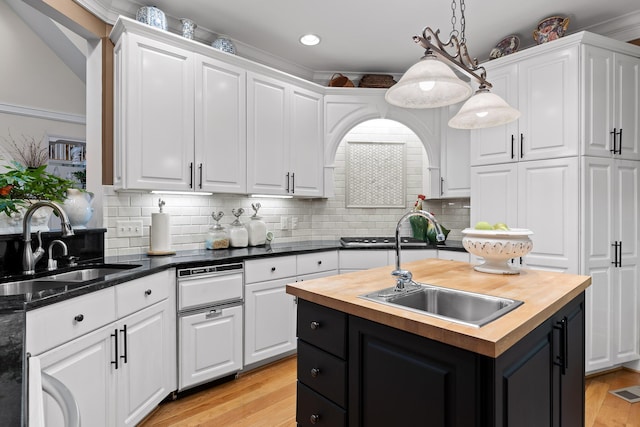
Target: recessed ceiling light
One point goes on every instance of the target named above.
(309, 40)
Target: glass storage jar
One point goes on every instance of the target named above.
(217, 238)
(257, 228)
(238, 234)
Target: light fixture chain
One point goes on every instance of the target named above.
(463, 22)
(454, 31)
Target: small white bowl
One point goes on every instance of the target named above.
(497, 247)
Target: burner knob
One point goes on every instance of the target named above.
(386, 240)
(373, 240)
(365, 241)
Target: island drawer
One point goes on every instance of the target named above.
(323, 327)
(313, 409)
(323, 372)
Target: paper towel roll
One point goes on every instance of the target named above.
(160, 232)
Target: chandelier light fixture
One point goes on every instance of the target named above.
(432, 82)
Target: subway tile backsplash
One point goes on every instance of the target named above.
(319, 219)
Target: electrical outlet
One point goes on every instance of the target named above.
(294, 222)
(129, 228)
(284, 223)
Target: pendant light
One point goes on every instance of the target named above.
(432, 83)
(483, 110)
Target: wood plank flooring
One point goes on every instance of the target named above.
(266, 397)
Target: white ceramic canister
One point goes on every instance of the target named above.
(238, 234)
(257, 228)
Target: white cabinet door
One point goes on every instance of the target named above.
(154, 115)
(627, 105)
(306, 143)
(611, 103)
(147, 373)
(85, 366)
(454, 159)
(548, 204)
(210, 345)
(545, 88)
(220, 126)
(269, 320)
(498, 144)
(548, 99)
(613, 299)
(267, 135)
(494, 194)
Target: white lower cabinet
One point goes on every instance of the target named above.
(362, 259)
(270, 313)
(202, 357)
(120, 371)
(612, 260)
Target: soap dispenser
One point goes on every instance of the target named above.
(238, 234)
(257, 227)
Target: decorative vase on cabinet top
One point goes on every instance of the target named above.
(77, 205)
(224, 44)
(153, 16)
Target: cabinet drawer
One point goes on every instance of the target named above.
(201, 291)
(363, 259)
(317, 262)
(50, 326)
(314, 409)
(261, 270)
(323, 327)
(141, 293)
(323, 372)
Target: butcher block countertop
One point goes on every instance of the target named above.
(543, 294)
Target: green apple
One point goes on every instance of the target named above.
(483, 225)
(500, 226)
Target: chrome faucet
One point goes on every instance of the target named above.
(404, 277)
(52, 264)
(29, 256)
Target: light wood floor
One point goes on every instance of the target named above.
(267, 398)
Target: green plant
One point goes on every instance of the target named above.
(20, 184)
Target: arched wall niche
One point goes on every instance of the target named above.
(344, 112)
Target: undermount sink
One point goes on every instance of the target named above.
(463, 307)
(69, 278)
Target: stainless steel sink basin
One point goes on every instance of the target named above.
(67, 279)
(86, 274)
(467, 308)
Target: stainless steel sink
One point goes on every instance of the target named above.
(463, 307)
(86, 274)
(67, 279)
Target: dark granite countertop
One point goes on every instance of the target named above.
(146, 265)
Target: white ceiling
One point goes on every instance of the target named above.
(375, 36)
(364, 36)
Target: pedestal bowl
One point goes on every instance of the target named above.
(497, 247)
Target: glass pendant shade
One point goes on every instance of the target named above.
(428, 84)
(483, 110)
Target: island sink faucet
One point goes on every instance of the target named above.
(404, 277)
(29, 256)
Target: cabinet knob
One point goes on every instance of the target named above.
(147, 292)
(79, 318)
(273, 269)
(320, 262)
(314, 418)
(315, 325)
(315, 372)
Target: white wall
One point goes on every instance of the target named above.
(39, 94)
(322, 219)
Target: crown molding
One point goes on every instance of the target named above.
(623, 28)
(39, 113)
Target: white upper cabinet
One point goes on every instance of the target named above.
(220, 126)
(545, 88)
(454, 159)
(284, 138)
(611, 93)
(154, 107)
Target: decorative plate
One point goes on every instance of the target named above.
(507, 46)
(550, 28)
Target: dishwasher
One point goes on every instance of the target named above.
(210, 315)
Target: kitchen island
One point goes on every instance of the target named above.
(362, 363)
